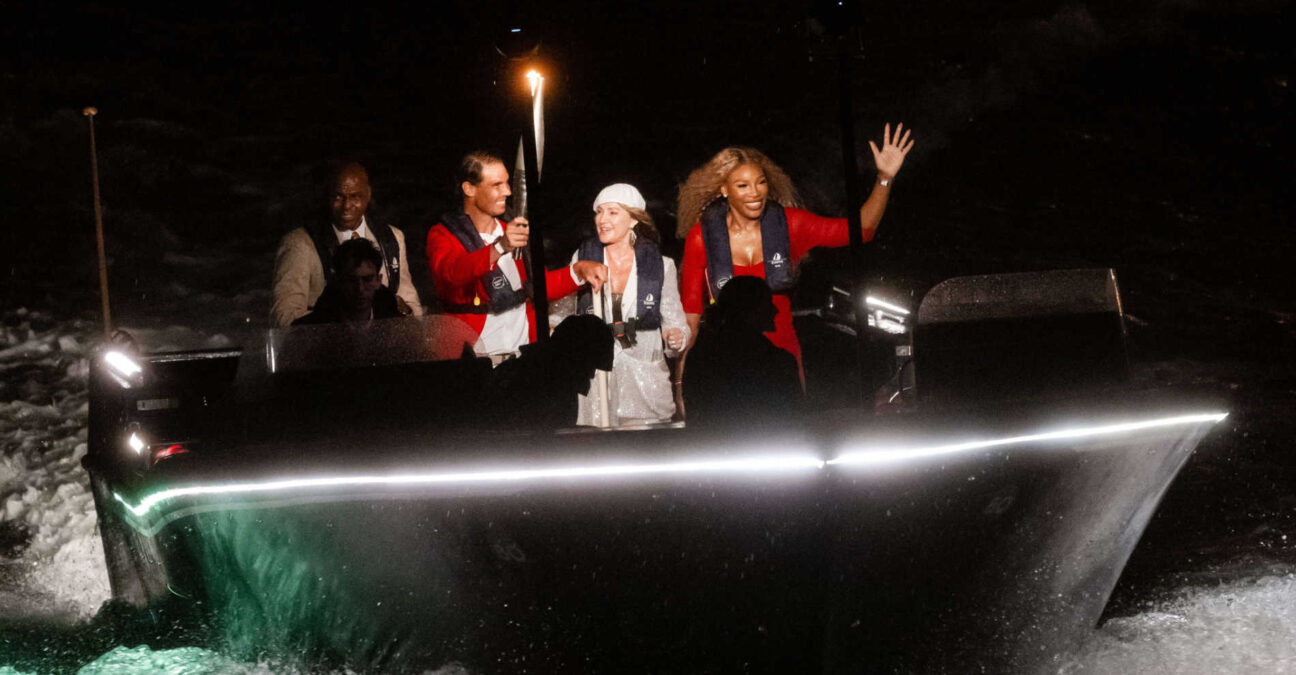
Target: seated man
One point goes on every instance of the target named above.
(355, 294)
(302, 266)
(356, 321)
(734, 375)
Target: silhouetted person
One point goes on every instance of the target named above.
(734, 375)
(539, 388)
(356, 293)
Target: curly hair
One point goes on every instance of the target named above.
(703, 185)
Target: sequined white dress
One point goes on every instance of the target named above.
(640, 385)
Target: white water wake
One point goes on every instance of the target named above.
(1238, 627)
(51, 557)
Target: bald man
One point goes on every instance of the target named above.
(304, 261)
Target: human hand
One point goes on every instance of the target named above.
(891, 156)
(593, 273)
(516, 234)
(674, 338)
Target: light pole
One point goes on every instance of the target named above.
(90, 113)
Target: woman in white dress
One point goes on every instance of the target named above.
(641, 303)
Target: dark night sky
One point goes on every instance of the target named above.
(1152, 137)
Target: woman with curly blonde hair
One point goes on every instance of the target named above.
(740, 216)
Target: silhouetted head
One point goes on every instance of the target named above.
(585, 342)
(747, 302)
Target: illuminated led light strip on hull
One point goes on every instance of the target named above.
(739, 465)
(891, 455)
(751, 464)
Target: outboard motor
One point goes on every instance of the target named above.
(1015, 336)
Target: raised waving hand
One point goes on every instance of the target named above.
(891, 156)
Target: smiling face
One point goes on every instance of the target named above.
(490, 196)
(613, 222)
(349, 198)
(747, 189)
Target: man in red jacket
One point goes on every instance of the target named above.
(478, 278)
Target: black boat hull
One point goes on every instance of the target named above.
(616, 552)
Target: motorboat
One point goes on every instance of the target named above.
(342, 496)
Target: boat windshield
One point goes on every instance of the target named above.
(339, 346)
(406, 375)
(307, 383)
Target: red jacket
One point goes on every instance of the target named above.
(458, 277)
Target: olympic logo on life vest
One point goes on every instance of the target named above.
(498, 283)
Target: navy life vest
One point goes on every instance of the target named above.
(502, 296)
(651, 271)
(776, 247)
(326, 244)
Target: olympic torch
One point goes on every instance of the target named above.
(536, 81)
(532, 148)
(537, 117)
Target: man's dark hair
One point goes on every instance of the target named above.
(470, 168)
(350, 254)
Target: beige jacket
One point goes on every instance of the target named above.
(299, 277)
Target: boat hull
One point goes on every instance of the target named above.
(878, 546)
